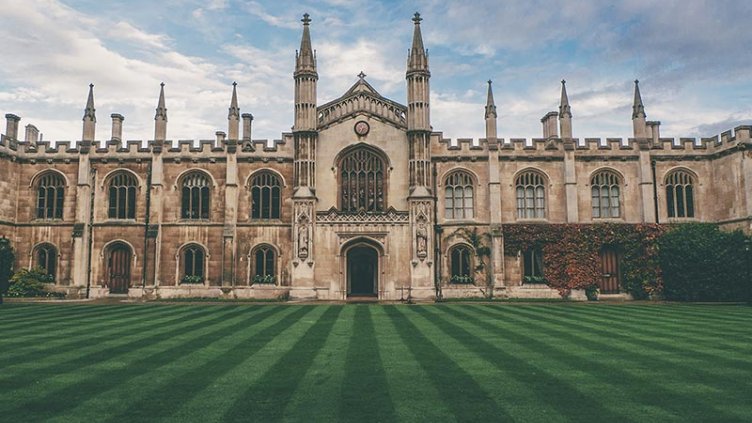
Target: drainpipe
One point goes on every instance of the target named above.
(146, 229)
(93, 172)
(437, 237)
(655, 191)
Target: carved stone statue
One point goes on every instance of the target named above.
(421, 235)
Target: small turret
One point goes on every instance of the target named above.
(418, 75)
(160, 118)
(491, 116)
(90, 118)
(305, 81)
(233, 116)
(565, 113)
(638, 113)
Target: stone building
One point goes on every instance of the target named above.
(363, 197)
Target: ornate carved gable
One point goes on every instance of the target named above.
(362, 98)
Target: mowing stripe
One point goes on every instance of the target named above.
(71, 365)
(248, 362)
(55, 314)
(699, 313)
(118, 368)
(614, 366)
(364, 392)
(663, 352)
(545, 391)
(462, 394)
(413, 394)
(50, 340)
(266, 398)
(318, 392)
(165, 381)
(649, 333)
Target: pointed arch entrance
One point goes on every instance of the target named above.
(119, 267)
(362, 268)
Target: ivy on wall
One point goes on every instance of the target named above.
(571, 253)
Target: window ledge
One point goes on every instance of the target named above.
(607, 219)
(682, 219)
(532, 219)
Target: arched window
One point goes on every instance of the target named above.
(461, 263)
(45, 257)
(50, 194)
(265, 196)
(122, 196)
(531, 196)
(193, 264)
(532, 261)
(195, 200)
(458, 196)
(362, 181)
(264, 260)
(680, 194)
(606, 195)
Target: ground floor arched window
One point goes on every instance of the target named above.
(193, 257)
(264, 265)
(45, 258)
(461, 265)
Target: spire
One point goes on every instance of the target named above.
(89, 111)
(490, 105)
(90, 118)
(305, 59)
(160, 118)
(564, 109)
(418, 58)
(234, 111)
(638, 109)
(233, 115)
(161, 109)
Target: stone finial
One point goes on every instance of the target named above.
(564, 109)
(160, 118)
(90, 118)
(490, 104)
(638, 109)
(362, 75)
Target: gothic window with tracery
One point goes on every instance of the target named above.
(45, 257)
(606, 195)
(195, 196)
(461, 264)
(50, 195)
(531, 196)
(265, 196)
(122, 196)
(193, 264)
(680, 194)
(264, 265)
(458, 196)
(362, 181)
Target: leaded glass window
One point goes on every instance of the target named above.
(458, 196)
(195, 196)
(605, 195)
(531, 196)
(50, 196)
(265, 196)
(680, 194)
(362, 181)
(122, 192)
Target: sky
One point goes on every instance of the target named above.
(691, 56)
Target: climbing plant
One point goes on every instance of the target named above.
(479, 241)
(572, 253)
(7, 258)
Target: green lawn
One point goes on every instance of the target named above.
(451, 362)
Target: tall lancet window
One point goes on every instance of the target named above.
(531, 196)
(50, 194)
(680, 194)
(195, 192)
(458, 196)
(122, 196)
(362, 181)
(606, 195)
(265, 196)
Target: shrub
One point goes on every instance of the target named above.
(702, 263)
(194, 279)
(7, 257)
(264, 279)
(31, 283)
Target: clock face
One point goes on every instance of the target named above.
(362, 128)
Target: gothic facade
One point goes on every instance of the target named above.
(362, 198)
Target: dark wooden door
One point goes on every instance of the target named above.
(362, 264)
(119, 265)
(611, 278)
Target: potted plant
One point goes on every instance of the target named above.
(591, 292)
(192, 279)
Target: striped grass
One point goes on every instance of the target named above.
(448, 362)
